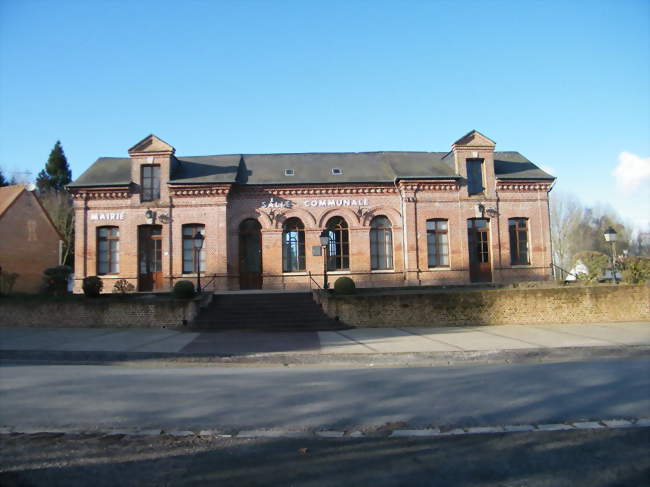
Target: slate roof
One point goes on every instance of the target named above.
(106, 171)
(309, 168)
(512, 165)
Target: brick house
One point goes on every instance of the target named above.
(30, 242)
(393, 218)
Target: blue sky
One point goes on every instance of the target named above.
(566, 83)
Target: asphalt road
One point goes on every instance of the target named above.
(595, 458)
(229, 398)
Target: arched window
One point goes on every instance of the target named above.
(108, 250)
(293, 246)
(189, 252)
(381, 243)
(339, 246)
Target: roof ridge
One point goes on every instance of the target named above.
(315, 153)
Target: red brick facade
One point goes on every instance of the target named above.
(30, 241)
(407, 203)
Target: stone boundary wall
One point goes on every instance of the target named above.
(490, 306)
(98, 313)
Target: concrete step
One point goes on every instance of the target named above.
(276, 311)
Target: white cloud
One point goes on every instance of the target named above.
(632, 172)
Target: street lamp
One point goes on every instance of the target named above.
(198, 245)
(325, 242)
(610, 236)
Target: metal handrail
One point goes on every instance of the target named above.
(563, 271)
(208, 283)
(312, 279)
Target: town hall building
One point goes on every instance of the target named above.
(391, 218)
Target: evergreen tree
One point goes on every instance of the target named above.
(3, 180)
(56, 173)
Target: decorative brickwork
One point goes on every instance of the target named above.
(222, 192)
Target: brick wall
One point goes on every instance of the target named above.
(29, 243)
(98, 313)
(491, 307)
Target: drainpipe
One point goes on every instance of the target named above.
(85, 236)
(405, 256)
(550, 227)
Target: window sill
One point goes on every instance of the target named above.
(382, 271)
(520, 266)
(109, 276)
(295, 273)
(438, 269)
(340, 272)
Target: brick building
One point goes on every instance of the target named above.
(30, 242)
(393, 218)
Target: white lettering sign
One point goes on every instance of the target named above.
(106, 216)
(359, 202)
(273, 203)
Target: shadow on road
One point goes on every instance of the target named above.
(577, 458)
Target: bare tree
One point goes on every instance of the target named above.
(567, 213)
(576, 228)
(58, 205)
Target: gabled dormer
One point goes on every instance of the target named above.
(152, 163)
(474, 162)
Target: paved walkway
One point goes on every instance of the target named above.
(361, 341)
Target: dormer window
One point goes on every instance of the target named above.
(150, 181)
(289, 172)
(336, 171)
(475, 176)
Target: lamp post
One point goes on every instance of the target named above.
(325, 242)
(610, 236)
(198, 245)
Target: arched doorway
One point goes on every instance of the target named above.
(250, 255)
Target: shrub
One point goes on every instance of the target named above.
(635, 270)
(596, 262)
(7, 282)
(122, 286)
(184, 289)
(344, 285)
(92, 286)
(55, 280)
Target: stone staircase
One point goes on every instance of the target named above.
(265, 312)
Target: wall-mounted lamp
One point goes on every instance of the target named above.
(149, 215)
(480, 210)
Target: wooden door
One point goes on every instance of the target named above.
(478, 236)
(250, 255)
(150, 276)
